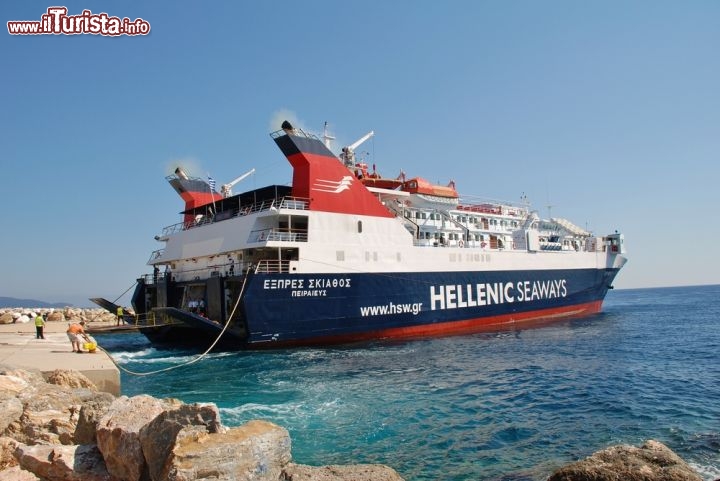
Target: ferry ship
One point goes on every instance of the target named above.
(344, 255)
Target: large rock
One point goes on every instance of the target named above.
(90, 414)
(71, 379)
(29, 377)
(159, 436)
(357, 472)
(49, 413)
(255, 451)
(10, 409)
(7, 318)
(45, 417)
(16, 473)
(653, 461)
(56, 316)
(66, 463)
(7, 450)
(13, 384)
(118, 433)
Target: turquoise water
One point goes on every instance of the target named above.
(511, 405)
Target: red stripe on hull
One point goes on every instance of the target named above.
(454, 328)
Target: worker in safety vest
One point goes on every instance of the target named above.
(39, 327)
(119, 315)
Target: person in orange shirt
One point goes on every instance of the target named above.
(76, 334)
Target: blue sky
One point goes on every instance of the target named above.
(608, 111)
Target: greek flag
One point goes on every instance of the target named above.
(211, 183)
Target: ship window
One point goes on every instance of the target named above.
(359, 227)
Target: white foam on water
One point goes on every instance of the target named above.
(123, 357)
(707, 472)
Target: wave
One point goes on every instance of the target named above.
(707, 472)
(154, 356)
(124, 357)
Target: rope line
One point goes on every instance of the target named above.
(192, 361)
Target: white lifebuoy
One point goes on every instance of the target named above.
(461, 243)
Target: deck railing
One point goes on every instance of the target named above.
(281, 235)
(269, 266)
(295, 203)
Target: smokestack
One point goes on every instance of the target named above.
(181, 173)
(287, 127)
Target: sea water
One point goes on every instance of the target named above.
(512, 405)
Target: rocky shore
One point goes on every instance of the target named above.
(64, 429)
(23, 315)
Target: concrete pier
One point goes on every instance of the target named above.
(20, 349)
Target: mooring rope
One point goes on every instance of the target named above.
(192, 361)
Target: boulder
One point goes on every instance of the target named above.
(89, 416)
(30, 377)
(67, 463)
(118, 433)
(49, 412)
(16, 473)
(71, 379)
(158, 437)
(7, 450)
(10, 409)
(45, 417)
(7, 318)
(255, 451)
(653, 461)
(56, 316)
(356, 472)
(13, 384)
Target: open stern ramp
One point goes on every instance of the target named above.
(112, 308)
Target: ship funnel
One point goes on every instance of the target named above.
(194, 191)
(287, 127)
(181, 173)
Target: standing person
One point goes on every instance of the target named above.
(119, 315)
(76, 334)
(39, 327)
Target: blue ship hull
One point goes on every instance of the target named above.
(292, 309)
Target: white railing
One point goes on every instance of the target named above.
(295, 203)
(281, 235)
